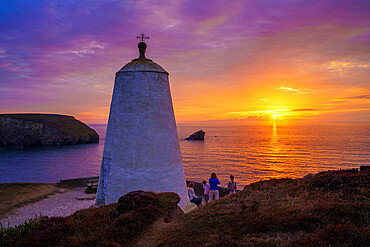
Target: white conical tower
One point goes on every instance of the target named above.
(141, 149)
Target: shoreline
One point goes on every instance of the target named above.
(248, 163)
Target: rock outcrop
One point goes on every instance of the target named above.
(21, 130)
(197, 136)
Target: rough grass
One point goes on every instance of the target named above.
(329, 209)
(319, 211)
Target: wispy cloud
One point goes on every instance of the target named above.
(295, 90)
(307, 109)
(257, 113)
(365, 96)
(87, 49)
(342, 67)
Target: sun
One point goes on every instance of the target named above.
(276, 117)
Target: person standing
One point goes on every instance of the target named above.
(213, 190)
(231, 185)
(206, 190)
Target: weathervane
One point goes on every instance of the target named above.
(142, 37)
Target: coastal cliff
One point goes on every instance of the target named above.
(21, 130)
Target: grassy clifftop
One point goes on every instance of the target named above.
(67, 124)
(44, 129)
(328, 209)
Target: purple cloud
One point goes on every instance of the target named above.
(56, 50)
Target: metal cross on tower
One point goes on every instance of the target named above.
(142, 37)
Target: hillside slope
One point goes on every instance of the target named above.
(21, 130)
(328, 209)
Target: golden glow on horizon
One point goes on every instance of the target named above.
(275, 94)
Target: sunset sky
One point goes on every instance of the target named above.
(248, 60)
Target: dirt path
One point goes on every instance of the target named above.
(62, 204)
(157, 230)
(153, 234)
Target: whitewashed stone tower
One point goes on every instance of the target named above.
(141, 149)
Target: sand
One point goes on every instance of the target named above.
(64, 203)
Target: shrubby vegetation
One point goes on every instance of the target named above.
(117, 223)
(327, 209)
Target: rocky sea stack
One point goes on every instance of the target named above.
(21, 130)
(197, 136)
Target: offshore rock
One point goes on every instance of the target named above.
(197, 136)
(21, 130)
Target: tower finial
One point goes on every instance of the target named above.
(142, 45)
(142, 37)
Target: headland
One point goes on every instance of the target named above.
(23, 129)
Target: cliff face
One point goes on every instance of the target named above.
(22, 130)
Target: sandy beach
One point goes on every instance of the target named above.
(65, 202)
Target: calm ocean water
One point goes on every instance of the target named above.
(249, 152)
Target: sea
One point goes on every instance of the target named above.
(250, 152)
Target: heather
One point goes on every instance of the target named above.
(115, 224)
(327, 209)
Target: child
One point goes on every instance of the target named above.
(231, 185)
(206, 190)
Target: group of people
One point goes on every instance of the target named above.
(210, 189)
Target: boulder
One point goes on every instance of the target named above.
(21, 130)
(144, 207)
(137, 200)
(197, 136)
(364, 168)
